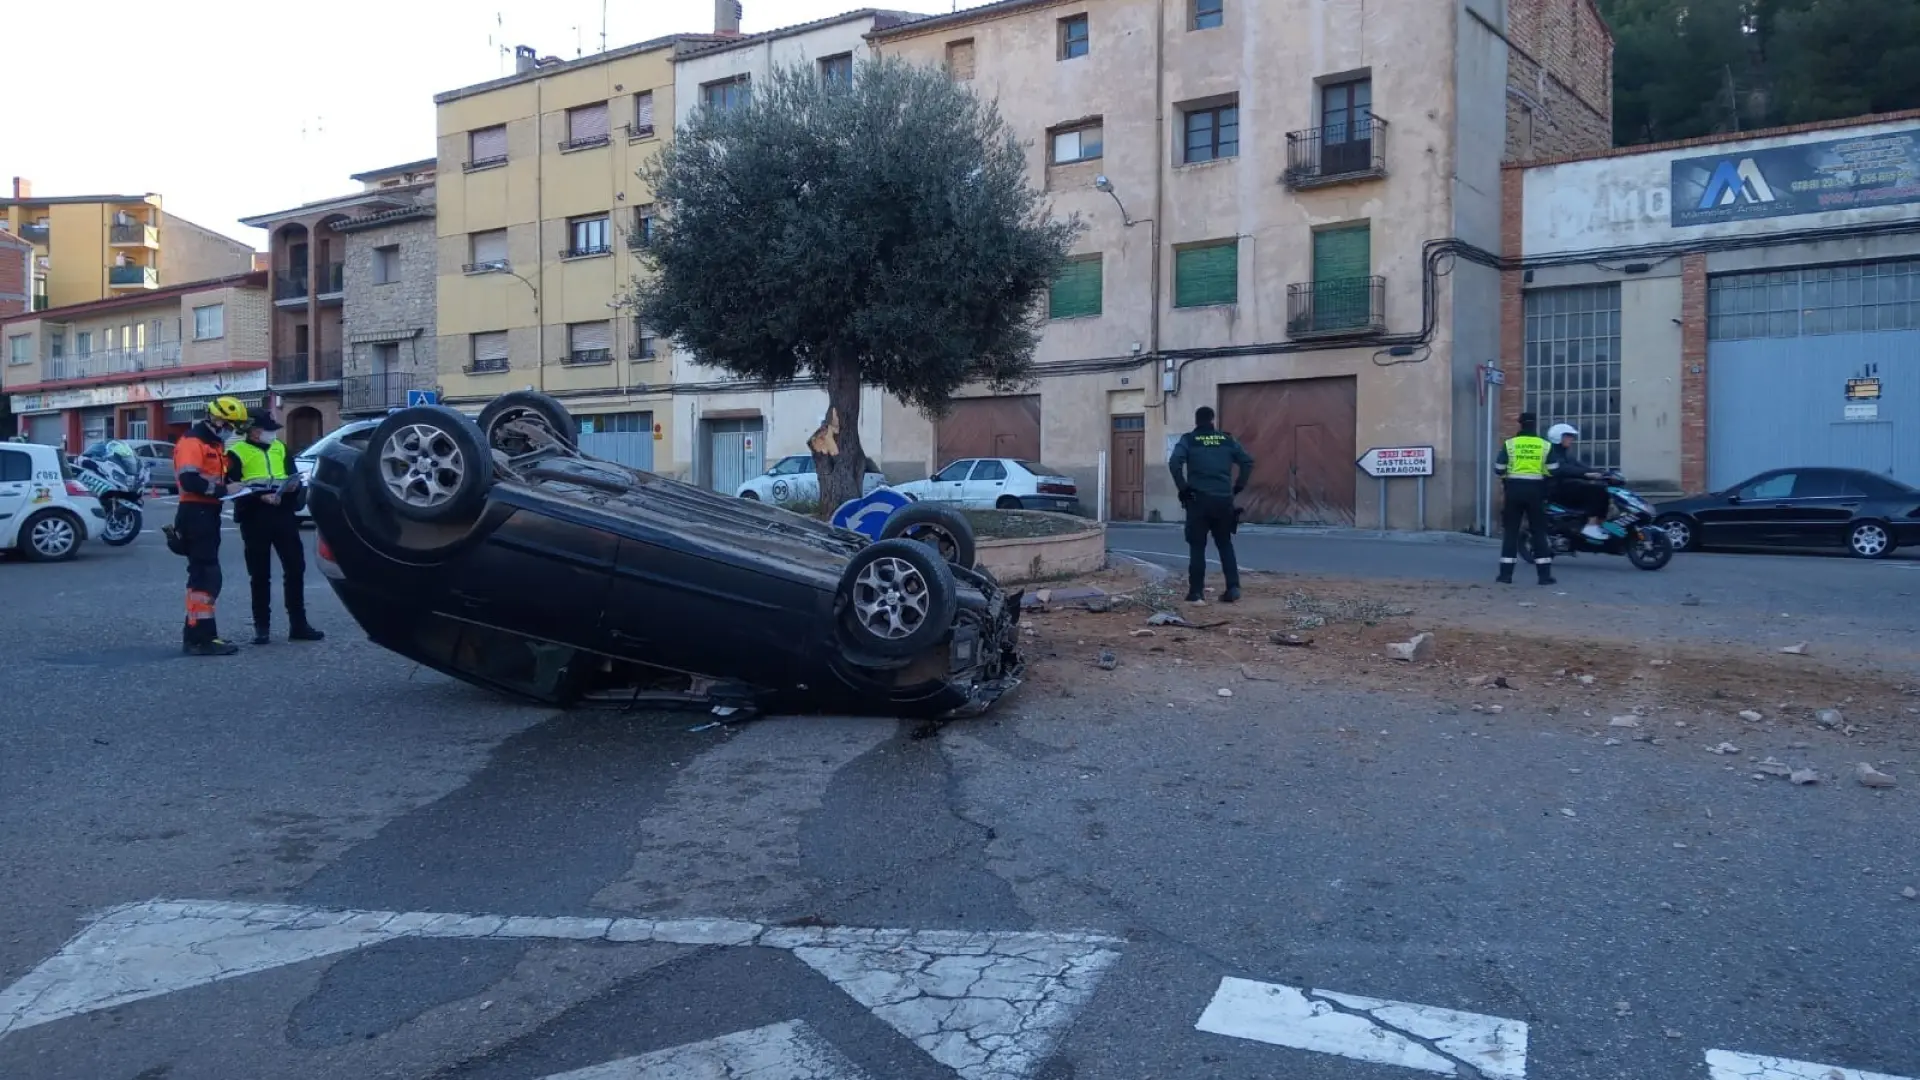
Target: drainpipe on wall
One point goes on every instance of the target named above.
(540, 228)
(1159, 191)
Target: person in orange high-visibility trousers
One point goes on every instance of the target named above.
(200, 468)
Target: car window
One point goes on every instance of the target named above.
(1877, 487)
(15, 466)
(990, 469)
(1777, 486)
(788, 466)
(1820, 484)
(1038, 469)
(956, 471)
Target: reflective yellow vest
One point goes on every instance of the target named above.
(1526, 457)
(263, 463)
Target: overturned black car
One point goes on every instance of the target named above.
(498, 553)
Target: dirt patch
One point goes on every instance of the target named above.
(1023, 524)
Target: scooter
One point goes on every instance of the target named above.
(120, 480)
(1630, 531)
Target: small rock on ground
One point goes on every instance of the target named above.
(1871, 777)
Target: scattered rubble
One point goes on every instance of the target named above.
(1910, 893)
(1871, 777)
(1723, 748)
(1799, 649)
(1107, 660)
(1166, 618)
(1294, 641)
(1254, 675)
(1419, 649)
(1224, 692)
(1771, 767)
(1829, 718)
(1624, 722)
(1804, 776)
(1751, 716)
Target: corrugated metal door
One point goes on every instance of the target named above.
(626, 438)
(735, 451)
(47, 429)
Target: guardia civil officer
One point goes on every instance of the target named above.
(1522, 461)
(269, 527)
(1202, 465)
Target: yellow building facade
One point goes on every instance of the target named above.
(92, 247)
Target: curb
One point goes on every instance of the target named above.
(1330, 533)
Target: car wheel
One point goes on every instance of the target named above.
(1870, 540)
(750, 496)
(943, 530)
(1680, 529)
(1006, 502)
(51, 536)
(898, 598)
(523, 409)
(430, 464)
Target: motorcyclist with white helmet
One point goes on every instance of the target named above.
(1576, 484)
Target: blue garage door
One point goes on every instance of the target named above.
(1782, 345)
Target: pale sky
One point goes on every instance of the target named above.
(231, 108)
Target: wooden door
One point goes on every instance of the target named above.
(1301, 433)
(989, 427)
(1126, 469)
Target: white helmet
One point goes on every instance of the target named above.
(1559, 431)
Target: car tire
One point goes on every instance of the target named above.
(1870, 540)
(1006, 502)
(945, 531)
(522, 404)
(897, 598)
(430, 464)
(750, 496)
(52, 536)
(1682, 531)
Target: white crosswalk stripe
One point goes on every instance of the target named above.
(787, 1051)
(1728, 1065)
(1399, 1033)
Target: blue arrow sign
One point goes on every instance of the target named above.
(422, 397)
(868, 514)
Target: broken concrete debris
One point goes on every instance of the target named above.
(1107, 660)
(1624, 722)
(1418, 649)
(1166, 618)
(1751, 716)
(1871, 777)
(1772, 767)
(1829, 718)
(1804, 776)
(1723, 748)
(1796, 649)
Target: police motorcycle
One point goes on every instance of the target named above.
(120, 480)
(1630, 530)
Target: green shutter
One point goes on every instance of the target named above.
(1342, 262)
(1207, 275)
(1077, 290)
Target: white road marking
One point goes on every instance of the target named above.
(1368, 1029)
(787, 1051)
(1727, 1065)
(1176, 556)
(989, 1004)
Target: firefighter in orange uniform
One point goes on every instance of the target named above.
(200, 465)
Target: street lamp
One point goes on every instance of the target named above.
(1101, 183)
(539, 331)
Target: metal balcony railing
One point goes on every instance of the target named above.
(35, 233)
(484, 163)
(143, 277)
(378, 392)
(289, 370)
(1340, 307)
(586, 250)
(136, 233)
(1337, 153)
(290, 286)
(584, 141)
(333, 279)
(483, 367)
(155, 357)
(586, 357)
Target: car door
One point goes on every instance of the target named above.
(986, 485)
(16, 486)
(1748, 514)
(545, 574)
(1817, 511)
(949, 484)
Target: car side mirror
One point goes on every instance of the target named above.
(1732, 497)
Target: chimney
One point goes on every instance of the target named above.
(22, 188)
(524, 59)
(726, 17)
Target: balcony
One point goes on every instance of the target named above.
(1318, 157)
(289, 290)
(34, 234)
(134, 234)
(377, 392)
(333, 283)
(587, 358)
(40, 301)
(159, 356)
(584, 142)
(1341, 307)
(133, 277)
(300, 369)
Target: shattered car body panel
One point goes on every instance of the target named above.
(576, 581)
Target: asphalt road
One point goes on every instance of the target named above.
(1066, 889)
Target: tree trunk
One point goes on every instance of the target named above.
(838, 458)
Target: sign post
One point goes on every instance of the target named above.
(1383, 463)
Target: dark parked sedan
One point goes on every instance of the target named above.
(1867, 513)
(499, 554)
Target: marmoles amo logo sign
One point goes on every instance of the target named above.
(1735, 182)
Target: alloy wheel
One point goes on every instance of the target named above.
(1868, 540)
(891, 598)
(53, 537)
(422, 465)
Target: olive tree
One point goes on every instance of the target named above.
(881, 233)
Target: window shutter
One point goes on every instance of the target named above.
(490, 348)
(589, 337)
(1207, 275)
(587, 123)
(1077, 290)
(1342, 254)
(489, 144)
(643, 113)
(490, 246)
(960, 59)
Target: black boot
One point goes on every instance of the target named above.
(1546, 573)
(204, 640)
(304, 631)
(1231, 596)
(1506, 574)
(260, 634)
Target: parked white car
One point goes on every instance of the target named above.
(792, 480)
(997, 484)
(45, 512)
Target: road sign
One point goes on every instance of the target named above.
(1495, 376)
(422, 397)
(868, 514)
(1385, 461)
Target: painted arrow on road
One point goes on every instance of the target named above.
(991, 1005)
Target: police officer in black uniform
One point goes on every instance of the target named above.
(1202, 465)
(1522, 463)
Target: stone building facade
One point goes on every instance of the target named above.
(1559, 81)
(388, 317)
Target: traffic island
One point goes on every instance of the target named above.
(1019, 547)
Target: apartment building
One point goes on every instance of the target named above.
(307, 250)
(539, 213)
(91, 247)
(140, 366)
(1274, 196)
(388, 317)
(16, 275)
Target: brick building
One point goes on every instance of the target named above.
(388, 319)
(1710, 309)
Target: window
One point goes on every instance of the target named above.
(624, 423)
(642, 225)
(837, 70)
(1824, 484)
(1346, 127)
(590, 342)
(386, 264)
(1777, 486)
(1073, 37)
(1855, 298)
(645, 345)
(586, 126)
(489, 352)
(1077, 291)
(587, 236)
(1082, 143)
(56, 343)
(83, 343)
(726, 95)
(1572, 365)
(990, 469)
(20, 349)
(16, 467)
(1208, 14)
(956, 471)
(960, 59)
(1213, 133)
(209, 322)
(1207, 274)
(486, 146)
(642, 126)
(489, 250)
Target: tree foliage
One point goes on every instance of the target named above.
(882, 233)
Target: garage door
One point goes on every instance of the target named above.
(1301, 435)
(1781, 347)
(48, 429)
(990, 427)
